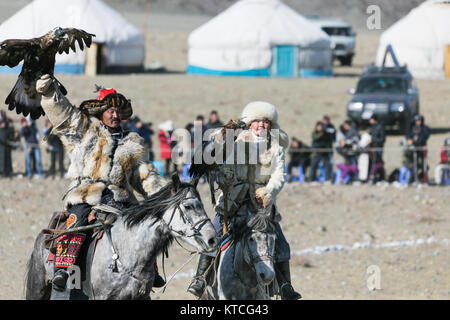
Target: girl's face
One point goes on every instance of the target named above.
(260, 127)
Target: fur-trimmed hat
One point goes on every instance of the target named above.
(108, 98)
(258, 110)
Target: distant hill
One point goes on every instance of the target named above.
(353, 11)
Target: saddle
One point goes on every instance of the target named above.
(59, 222)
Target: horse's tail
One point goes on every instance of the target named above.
(36, 287)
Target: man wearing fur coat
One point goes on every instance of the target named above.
(106, 162)
(253, 185)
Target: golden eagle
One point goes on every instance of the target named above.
(38, 55)
(200, 168)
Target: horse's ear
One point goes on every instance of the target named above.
(176, 181)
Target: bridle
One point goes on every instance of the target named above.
(251, 261)
(194, 228)
(254, 260)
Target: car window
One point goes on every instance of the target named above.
(337, 31)
(382, 85)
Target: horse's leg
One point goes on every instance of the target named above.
(37, 287)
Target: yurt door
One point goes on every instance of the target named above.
(447, 61)
(285, 61)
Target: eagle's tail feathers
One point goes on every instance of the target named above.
(19, 100)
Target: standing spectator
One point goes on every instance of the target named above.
(146, 133)
(331, 130)
(444, 163)
(151, 154)
(347, 141)
(321, 140)
(377, 140)
(199, 127)
(299, 156)
(417, 142)
(213, 121)
(329, 127)
(56, 150)
(165, 145)
(6, 140)
(127, 125)
(364, 153)
(30, 133)
(190, 128)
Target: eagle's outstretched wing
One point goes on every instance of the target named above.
(38, 55)
(13, 51)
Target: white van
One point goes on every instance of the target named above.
(342, 37)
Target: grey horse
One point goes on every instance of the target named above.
(139, 235)
(245, 268)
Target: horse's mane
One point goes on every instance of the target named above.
(157, 203)
(259, 222)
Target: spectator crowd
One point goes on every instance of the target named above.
(362, 155)
(339, 155)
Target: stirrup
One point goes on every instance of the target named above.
(197, 286)
(59, 280)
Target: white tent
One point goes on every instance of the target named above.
(420, 40)
(124, 45)
(259, 38)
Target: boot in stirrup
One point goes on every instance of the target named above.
(283, 275)
(59, 280)
(198, 284)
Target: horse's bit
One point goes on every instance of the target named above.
(193, 226)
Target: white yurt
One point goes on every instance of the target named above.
(259, 38)
(421, 40)
(118, 45)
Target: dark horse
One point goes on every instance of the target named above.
(245, 269)
(139, 235)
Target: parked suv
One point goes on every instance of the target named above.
(341, 35)
(388, 92)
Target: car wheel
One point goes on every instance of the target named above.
(346, 61)
(405, 125)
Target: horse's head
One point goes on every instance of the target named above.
(187, 218)
(259, 247)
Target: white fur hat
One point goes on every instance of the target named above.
(166, 126)
(258, 110)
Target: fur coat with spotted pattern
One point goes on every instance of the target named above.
(94, 164)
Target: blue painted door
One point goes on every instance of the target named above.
(285, 61)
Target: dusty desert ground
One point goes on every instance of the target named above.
(335, 232)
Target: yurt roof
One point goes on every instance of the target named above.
(258, 24)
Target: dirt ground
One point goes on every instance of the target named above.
(335, 232)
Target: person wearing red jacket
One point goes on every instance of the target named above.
(444, 163)
(165, 145)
